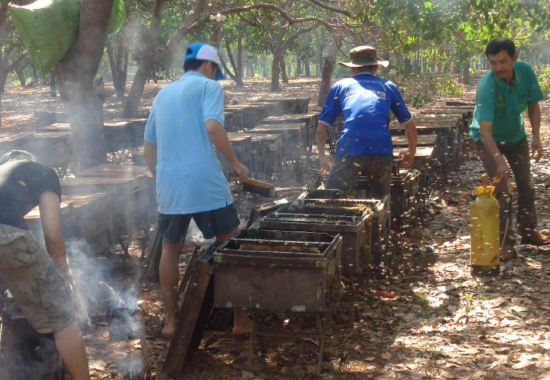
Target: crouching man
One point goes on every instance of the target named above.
(38, 279)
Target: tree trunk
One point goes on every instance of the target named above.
(154, 57)
(114, 69)
(264, 67)
(320, 62)
(456, 68)
(251, 72)
(145, 66)
(328, 68)
(53, 86)
(35, 77)
(138, 85)
(237, 67)
(2, 84)
(546, 51)
(240, 66)
(307, 68)
(76, 73)
(119, 65)
(123, 76)
(283, 70)
(466, 73)
(298, 66)
(20, 75)
(407, 65)
(275, 71)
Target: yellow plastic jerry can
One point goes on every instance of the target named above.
(485, 232)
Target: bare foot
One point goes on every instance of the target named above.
(242, 325)
(536, 238)
(168, 330)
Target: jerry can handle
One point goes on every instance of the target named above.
(460, 209)
(511, 187)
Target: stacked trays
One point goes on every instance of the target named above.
(379, 232)
(353, 222)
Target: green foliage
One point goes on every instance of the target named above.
(544, 80)
(450, 86)
(421, 98)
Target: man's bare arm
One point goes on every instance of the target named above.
(221, 142)
(50, 216)
(534, 117)
(150, 156)
(321, 140)
(486, 132)
(407, 159)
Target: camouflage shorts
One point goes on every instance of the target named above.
(34, 281)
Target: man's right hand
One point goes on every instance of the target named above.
(503, 171)
(326, 162)
(241, 171)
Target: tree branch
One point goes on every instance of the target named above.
(17, 61)
(327, 7)
(231, 75)
(293, 38)
(186, 29)
(3, 13)
(230, 55)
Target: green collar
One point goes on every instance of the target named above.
(502, 83)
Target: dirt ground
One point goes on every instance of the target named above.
(442, 323)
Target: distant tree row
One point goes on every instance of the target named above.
(270, 38)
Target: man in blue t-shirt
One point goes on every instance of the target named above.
(186, 119)
(365, 146)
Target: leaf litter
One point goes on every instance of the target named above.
(441, 324)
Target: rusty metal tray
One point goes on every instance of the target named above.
(304, 277)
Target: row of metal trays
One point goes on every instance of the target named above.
(294, 259)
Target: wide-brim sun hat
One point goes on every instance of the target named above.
(362, 56)
(207, 53)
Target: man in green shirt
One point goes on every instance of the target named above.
(501, 143)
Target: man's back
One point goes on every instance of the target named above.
(21, 184)
(365, 102)
(189, 175)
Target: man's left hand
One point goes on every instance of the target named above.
(407, 159)
(536, 149)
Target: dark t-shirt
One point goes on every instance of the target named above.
(21, 184)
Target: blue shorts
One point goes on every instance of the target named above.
(211, 223)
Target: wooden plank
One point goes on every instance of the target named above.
(13, 140)
(293, 136)
(309, 119)
(57, 127)
(116, 171)
(153, 260)
(423, 140)
(196, 305)
(45, 118)
(131, 198)
(53, 149)
(460, 103)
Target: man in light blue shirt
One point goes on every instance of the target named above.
(186, 119)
